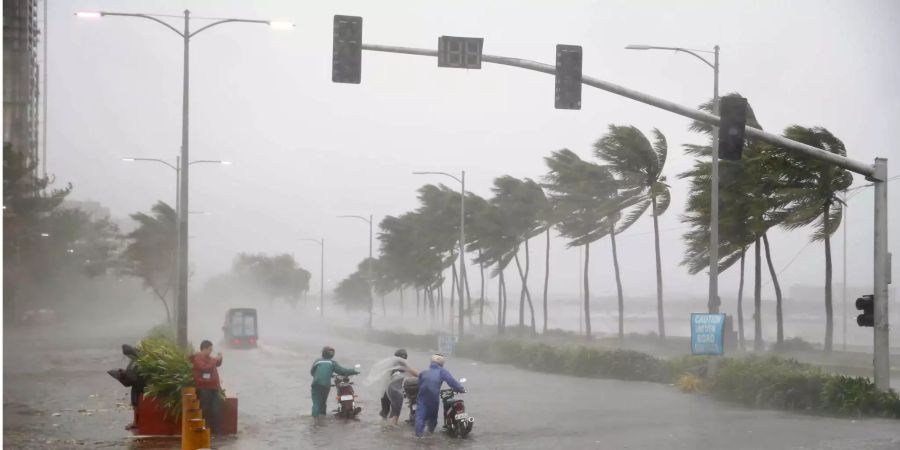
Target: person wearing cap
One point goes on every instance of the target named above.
(428, 401)
(322, 370)
(392, 400)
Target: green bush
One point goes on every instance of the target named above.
(764, 381)
(166, 369)
(858, 397)
(792, 345)
(583, 362)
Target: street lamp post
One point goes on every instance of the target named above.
(714, 302)
(321, 275)
(368, 266)
(462, 241)
(178, 213)
(186, 36)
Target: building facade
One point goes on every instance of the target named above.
(21, 76)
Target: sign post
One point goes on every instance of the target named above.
(445, 344)
(707, 334)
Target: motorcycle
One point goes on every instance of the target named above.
(457, 421)
(346, 397)
(411, 392)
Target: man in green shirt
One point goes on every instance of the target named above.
(322, 370)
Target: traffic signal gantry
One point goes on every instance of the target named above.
(454, 52)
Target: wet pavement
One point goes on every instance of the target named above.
(58, 396)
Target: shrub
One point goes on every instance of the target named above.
(689, 383)
(166, 370)
(795, 344)
(583, 362)
(858, 396)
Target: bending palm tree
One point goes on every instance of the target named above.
(582, 191)
(812, 191)
(639, 166)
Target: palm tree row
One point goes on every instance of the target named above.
(769, 187)
(585, 201)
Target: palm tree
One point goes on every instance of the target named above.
(639, 166)
(812, 198)
(151, 251)
(475, 206)
(524, 202)
(582, 191)
(496, 247)
(749, 203)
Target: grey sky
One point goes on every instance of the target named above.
(306, 150)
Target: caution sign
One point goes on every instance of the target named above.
(707, 334)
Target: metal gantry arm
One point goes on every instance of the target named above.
(691, 113)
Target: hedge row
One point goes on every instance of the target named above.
(754, 380)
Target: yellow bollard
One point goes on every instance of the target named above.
(194, 433)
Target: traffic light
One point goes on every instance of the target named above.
(460, 52)
(866, 304)
(568, 77)
(346, 54)
(733, 114)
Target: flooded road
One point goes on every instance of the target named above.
(57, 395)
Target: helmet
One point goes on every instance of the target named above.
(438, 359)
(401, 353)
(327, 352)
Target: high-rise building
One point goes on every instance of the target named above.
(21, 76)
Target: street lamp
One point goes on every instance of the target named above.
(462, 242)
(369, 268)
(714, 302)
(321, 243)
(186, 36)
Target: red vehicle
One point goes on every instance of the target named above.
(240, 328)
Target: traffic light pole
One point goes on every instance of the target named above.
(882, 278)
(877, 173)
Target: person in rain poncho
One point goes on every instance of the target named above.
(321, 371)
(386, 379)
(428, 402)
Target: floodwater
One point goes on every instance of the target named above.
(58, 396)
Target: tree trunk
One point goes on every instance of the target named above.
(441, 301)
(829, 309)
(660, 317)
(757, 299)
(501, 304)
(612, 235)
(401, 302)
(528, 291)
(779, 318)
(522, 291)
(481, 306)
(417, 302)
(740, 303)
(383, 306)
(455, 280)
(525, 294)
(546, 277)
(465, 277)
(587, 292)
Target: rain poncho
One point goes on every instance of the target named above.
(386, 373)
(427, 404)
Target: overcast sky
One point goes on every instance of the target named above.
(306, 150)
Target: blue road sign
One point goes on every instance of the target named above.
(706, 334)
